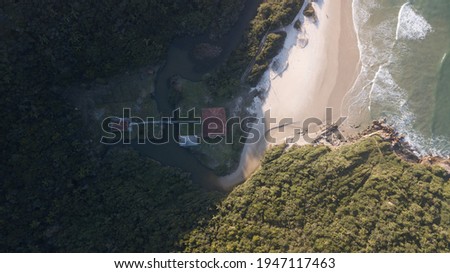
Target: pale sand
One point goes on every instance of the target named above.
(317, 76)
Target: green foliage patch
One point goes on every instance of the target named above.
(271, 15)
(359, 198)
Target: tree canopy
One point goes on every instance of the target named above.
(358, 198)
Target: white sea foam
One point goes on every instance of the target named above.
(411, 25)
(390, 101)
(372, 55)
(375, 89)
(387, 93)
(443, 58)
(264, 83)
(362, 10)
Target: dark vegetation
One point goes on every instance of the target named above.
(70, 40)
(309, 10)
(136, 205)
(298, 25)
(271, 15)
(359, 198)
(260, 44)
(274, 43)
(132, 204)
(59, 191)
(249, 61)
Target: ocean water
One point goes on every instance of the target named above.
(405, 74)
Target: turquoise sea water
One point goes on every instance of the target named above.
(405, 77)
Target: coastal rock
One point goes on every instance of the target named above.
(309, 11)
(398, 144)
(206, 51)
(433, 160)
(298, 25)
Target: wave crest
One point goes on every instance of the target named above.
(411, 25)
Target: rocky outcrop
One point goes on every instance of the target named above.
(298, 25)
(432, 160)
(330, 136)
(309, 11)
(398, 143)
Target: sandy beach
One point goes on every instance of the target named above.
(316, 68)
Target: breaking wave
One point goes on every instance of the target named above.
(411, 25)
(382, 41)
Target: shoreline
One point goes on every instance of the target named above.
(317, 74)
(399, 145)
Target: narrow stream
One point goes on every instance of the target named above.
(180, 62)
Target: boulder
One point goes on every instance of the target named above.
(298, 25)
(309, 11)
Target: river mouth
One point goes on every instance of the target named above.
(181, 61)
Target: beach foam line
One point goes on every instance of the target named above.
(411, 25)
(375, 89)
(252, 153)
(386, 92)
(443, 59)
(304, 81)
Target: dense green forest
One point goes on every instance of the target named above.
(69, 40)
(271, 15)
(131, 204)
(60, 191)
(358, 198)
